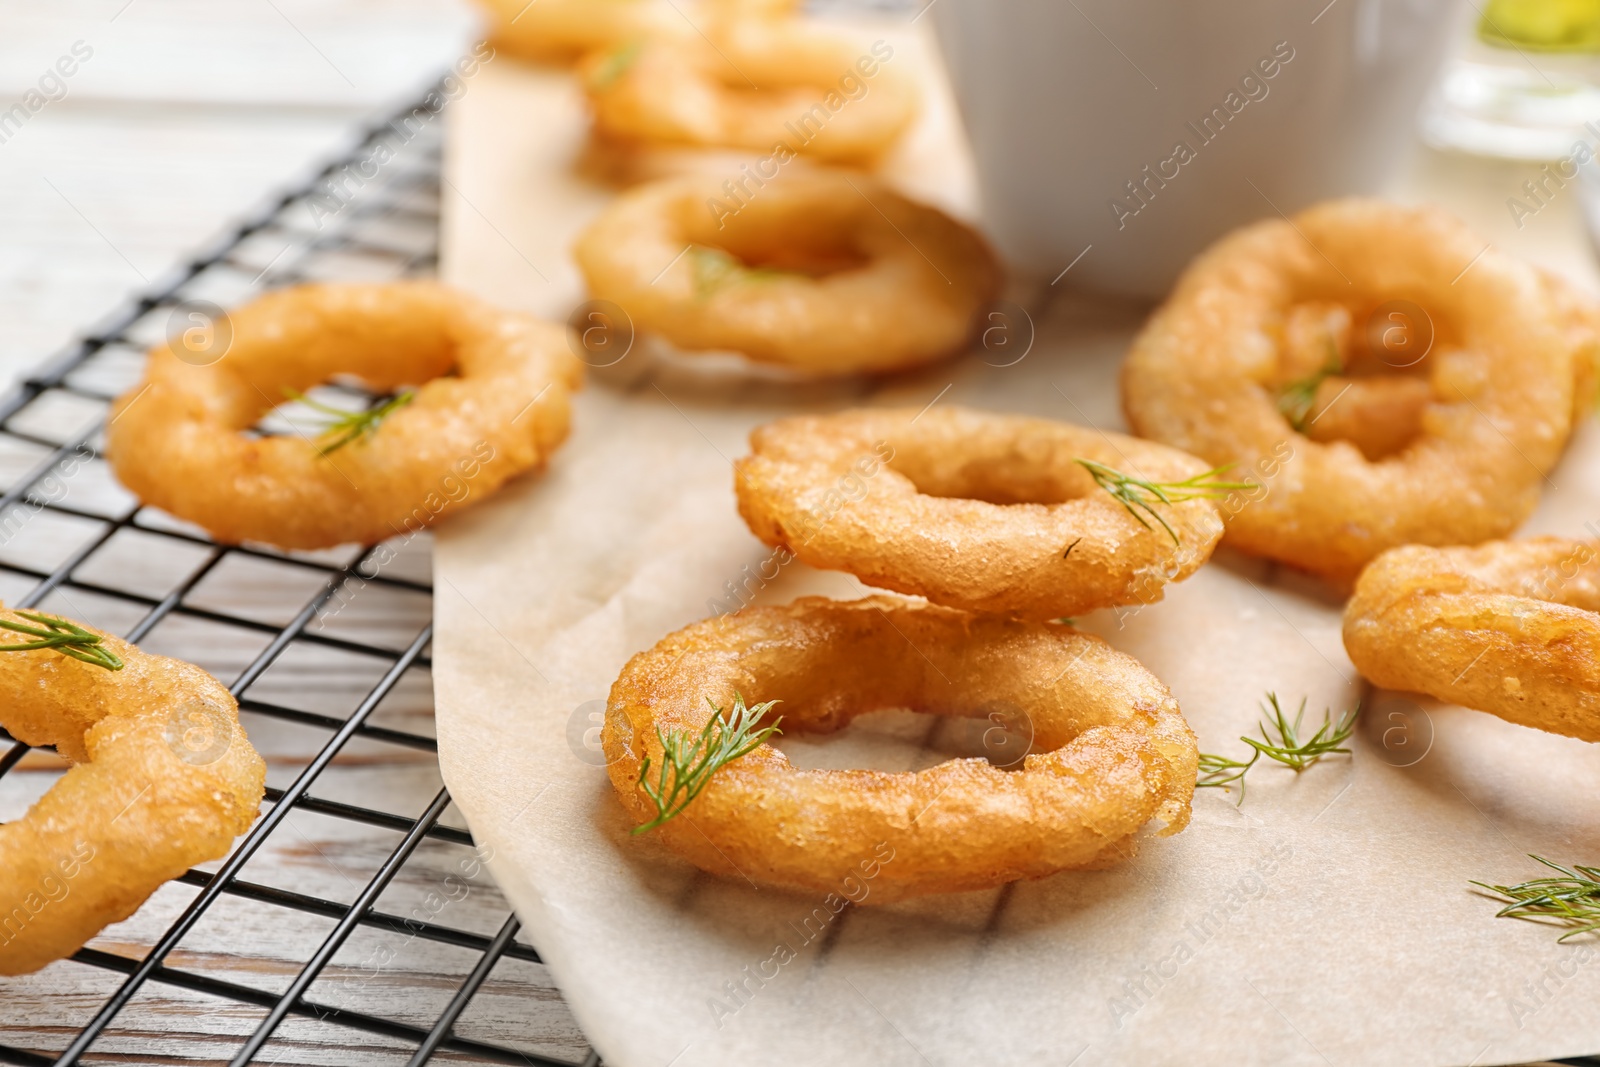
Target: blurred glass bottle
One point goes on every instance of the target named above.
(1525, 83)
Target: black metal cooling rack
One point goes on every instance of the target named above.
(381, 222)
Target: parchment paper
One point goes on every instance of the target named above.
(1326, 920)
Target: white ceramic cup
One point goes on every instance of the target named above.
(1133, 133)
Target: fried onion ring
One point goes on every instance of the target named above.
(163, 778)
(494, 404)
(1110, 752)
(1211, 371)
(820, 272)
(972, 509)
(565, 29)
(764, 85)
(1509, 627)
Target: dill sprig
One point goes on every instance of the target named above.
(1137, 494)
(1299, 396)
(616, 65)
(348, 426)
(1219, 771)
(1288, 749)
(714, 268)
(687, 765)
(1280, 741)
(63, 635)
(1572, 900)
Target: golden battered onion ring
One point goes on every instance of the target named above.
(972, 509)
(176, 439)
(818, 271)
(1508, 627)
(565, 29)
(163, 778)
(1110, 752)
(1203, 375)
(765, 85)
(559, 30)
(717, 11)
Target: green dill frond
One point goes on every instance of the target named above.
(1280, 741)
(1218, 772)
(1571, 901)
(1280, 738)
(347, 426)
(63, 635)
(1297, 398)
(615, 65)
(688, 763)
(1139, 495)
(714, 268)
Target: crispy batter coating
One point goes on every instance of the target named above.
(163, 778)
(565, 29)
(818, 271)
(972, 509)
(1508, 627)
(1491, 405)
(1110, 751)
(561, 30)
(491, 403)
(753, 84)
